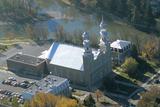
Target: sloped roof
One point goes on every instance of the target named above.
(65, 55)
(120, 44)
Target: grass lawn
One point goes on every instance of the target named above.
(119, 71)
(8, 42)
(142, 75)
(14, 40)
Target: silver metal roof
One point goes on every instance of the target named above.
(65, 55)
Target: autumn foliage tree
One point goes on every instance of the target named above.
(151, 98)
(99, 94)
(50, 100)
(152, 48)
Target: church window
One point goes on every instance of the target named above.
(121, 50)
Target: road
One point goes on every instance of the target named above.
(145, 86)
(150, 80)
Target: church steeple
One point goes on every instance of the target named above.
(85, 36)
(104, 35)
(87, 60)
(86, 43)
(104, 38)
(102, 24)
(103, 31)
(105, 47)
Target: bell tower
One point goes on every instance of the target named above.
(87, 60)
(105, 46)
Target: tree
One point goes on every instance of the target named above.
(89, 3)
(152, 48)
(15, 102)
(17, 11)
(89, 101)
(134, 52)
(50, 100)
(130, 66)
(150, 98)
(98, 94)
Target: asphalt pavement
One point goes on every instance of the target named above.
(30, 49)
(6, 75)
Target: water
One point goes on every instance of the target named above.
(69, 18)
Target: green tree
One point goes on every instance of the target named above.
(89, 101)
(15, 102)
(130, 66)
(17, 11)
(134, 52)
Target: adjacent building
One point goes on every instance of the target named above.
(27, 65)
(120, 50)
(50, 84)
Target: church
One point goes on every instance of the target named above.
(84, 67)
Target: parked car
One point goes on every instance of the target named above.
(14, 83)
(157, 81)
(8, 82)
(12, 78)
(23, 85)
(21, 101)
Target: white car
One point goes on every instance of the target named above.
(12, 78)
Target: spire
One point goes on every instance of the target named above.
(102, 25)
(104, 34)
(85, 36)
(86, 42)
(103, 31)
(104, 39)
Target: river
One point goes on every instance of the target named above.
(71, 19)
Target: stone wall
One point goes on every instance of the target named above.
(76, 77)
(27, 70)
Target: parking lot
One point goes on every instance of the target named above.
(17, 89)
(9, 90)
(12, 85)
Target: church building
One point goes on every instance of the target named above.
(84, 67)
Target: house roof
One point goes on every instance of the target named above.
(65, 55)
(120, 44)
